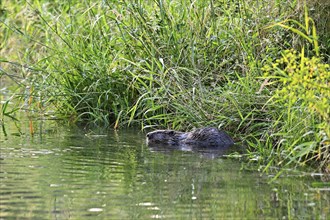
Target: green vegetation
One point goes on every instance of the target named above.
(256, 69)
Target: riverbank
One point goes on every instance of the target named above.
(255, 69)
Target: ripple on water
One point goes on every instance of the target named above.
(73, 177)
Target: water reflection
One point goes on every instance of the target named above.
(210, 153)
(62, 173)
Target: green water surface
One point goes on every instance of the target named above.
(50, 171)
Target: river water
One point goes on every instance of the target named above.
(51, 171)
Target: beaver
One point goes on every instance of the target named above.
(201, 137)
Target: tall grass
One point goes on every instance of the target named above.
(301, 82)
(175, 64)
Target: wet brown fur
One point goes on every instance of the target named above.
(208, 136)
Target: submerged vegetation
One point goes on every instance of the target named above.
(257, 69)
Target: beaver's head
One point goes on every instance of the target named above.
(163, 137)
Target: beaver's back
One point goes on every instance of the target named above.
(203, 137)
(209, 136)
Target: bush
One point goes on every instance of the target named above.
(302, 93)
